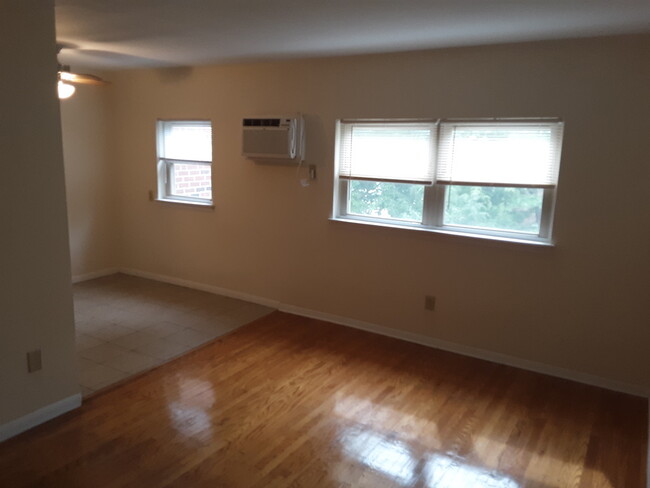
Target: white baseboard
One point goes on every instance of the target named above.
(39, 416)
(474, 352)
(95, 274)
(464, 350)
(203, 287)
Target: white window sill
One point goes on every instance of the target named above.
(185, 202)
(418, 228)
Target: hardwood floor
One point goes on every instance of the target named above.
(293, 402)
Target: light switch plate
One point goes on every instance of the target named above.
(34, 362)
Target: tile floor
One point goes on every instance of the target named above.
(126, 325)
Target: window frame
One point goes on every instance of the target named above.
(165, 166)
(435, 196)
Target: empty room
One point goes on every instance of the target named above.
(325, 244)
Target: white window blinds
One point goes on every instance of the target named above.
(402, 152)
(186, 140)
(499, 153)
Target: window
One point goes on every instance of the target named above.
(185, 161)
(493, 178)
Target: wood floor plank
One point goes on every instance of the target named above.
(295, 402)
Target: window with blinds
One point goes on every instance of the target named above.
(499, 154)
(185, 161)
(492, 178)
(398, 152)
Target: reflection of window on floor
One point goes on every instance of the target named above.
(189, 414)
(389, 457)
(393, 458)
(442, 471)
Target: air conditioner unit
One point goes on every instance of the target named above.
(273, 138)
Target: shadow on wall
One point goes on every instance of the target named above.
(174, 74)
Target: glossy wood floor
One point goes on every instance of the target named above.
(293, 402)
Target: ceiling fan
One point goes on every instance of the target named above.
(67, 79)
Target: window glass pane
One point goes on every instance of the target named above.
(498, 153)
(499, 208)
(191, 180)
(400, 152)
(386, 200)
(188, 140)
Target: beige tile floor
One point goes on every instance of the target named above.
(126, 325)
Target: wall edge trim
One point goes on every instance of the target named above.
(93, 274)
(478, 353)
(37, 417)
(203, 287)
(474, 352)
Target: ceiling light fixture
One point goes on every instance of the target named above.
(65, 90)
(67, 80)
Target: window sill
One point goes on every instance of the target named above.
(184, 202)
(418, 228)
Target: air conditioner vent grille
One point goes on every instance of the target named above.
(273, 138)
(266, 122)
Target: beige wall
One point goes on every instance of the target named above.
(90, 175)
(581, 305)
(35, 295)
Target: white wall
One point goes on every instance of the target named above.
(35, 294)
(90, 179)
(581, 305)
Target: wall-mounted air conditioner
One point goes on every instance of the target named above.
(279, 139)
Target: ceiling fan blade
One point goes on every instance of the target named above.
(69, 77)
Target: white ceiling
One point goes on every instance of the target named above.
(145, 33)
